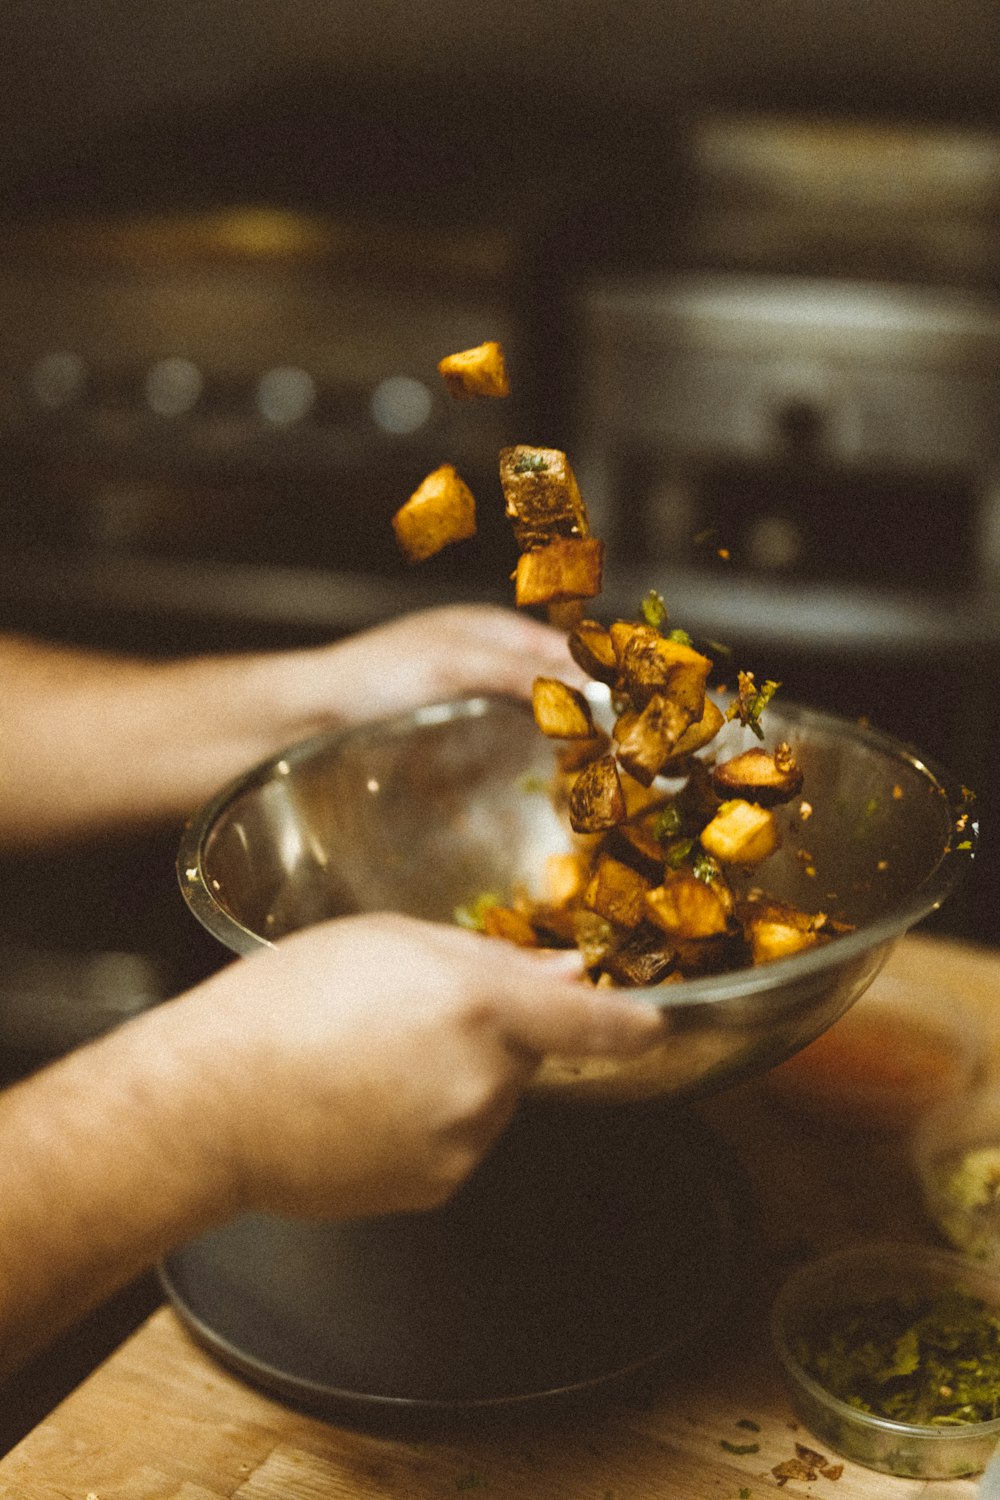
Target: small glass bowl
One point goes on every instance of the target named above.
(956, 1156)
(849, 1279)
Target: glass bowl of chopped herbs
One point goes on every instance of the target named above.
(892, 1357)
(956, 1155)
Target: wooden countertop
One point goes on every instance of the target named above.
(160, 1420)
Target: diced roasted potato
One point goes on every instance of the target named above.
(653, 664)
(565, 877)
(758, 776)
(481, 371)
(741, 833)
(570, 568)
(617, 892)
(560, 711)
(646, 741)
(593, 650)
(542, 496)
(774, 930)
(440, 511)
(638, 838)
(698, 734)
(686, 907)
(596, 802)
(643, 959)
(510, 923)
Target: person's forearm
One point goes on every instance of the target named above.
(94, 741)
(107, 1159)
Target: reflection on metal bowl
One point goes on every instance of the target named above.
(423, 812)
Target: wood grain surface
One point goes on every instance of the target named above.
(160, 1420)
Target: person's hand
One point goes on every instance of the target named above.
(365, 1065)
(437, 654)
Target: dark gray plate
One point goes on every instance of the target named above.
(585, 1248)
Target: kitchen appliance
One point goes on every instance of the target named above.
(607, 1227)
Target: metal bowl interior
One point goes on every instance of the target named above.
(423, 812)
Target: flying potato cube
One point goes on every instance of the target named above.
(646, 740)
(652, 663)
(741, 833)
(440, 511)
(565, 876)
(542, 496)
(685, 907)
(481, 371)
(596, 801)
(698, 734)
(560, 711)
(593, 650)
(570, 568)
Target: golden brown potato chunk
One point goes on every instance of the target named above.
(565, 877)
(646, 740)
(741, 833)
(593, 650)
(645, 958)
(542, 496)
(560, 711)
(758, 776)
(440, 511)
(651, 664)
(774, 930)
(699, 734)
(596, 800)
(481, 371)
(507, 922)
(574, 755)
(617, 892)
(565, 569)
(686, 907)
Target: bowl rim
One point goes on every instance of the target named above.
(742, 984)
(931, 1256)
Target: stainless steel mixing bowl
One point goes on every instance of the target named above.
(423, 812)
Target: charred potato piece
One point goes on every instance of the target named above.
(481, 371)
(570, 568)
(652, 664)
(543, 499)
(596, 801)
(617, 892)
(647, 740)
(593, 650)
(757, 776)
(510, 923)
(773, 930)
(711, 955)
(441, 510)
(560, 711)
(685, 907)
(697, 735)
(741, 833)
(643, 959)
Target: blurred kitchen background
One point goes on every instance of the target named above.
(745, 260)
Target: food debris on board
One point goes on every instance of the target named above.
(649, 892)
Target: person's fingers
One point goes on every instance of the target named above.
(559, 1013)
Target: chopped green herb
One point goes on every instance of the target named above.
(532, 783)
(667, 823)
(677, 853)
(681, 637)
(964, 846)
(705, 868)
(531, 463)
(744, 1493)
(471, 914)
(748, 1425)
(751, 701)
(654, 609)
(739, 1448)
(930, 1361)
